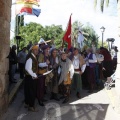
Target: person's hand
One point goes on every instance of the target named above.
(48, 62)
(86, 59)
(51, 66)
(81, 72)
(103, 68)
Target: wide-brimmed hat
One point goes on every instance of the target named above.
(42, 41)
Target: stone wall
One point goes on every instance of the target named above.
(5, 17)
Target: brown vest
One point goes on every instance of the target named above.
(34, 64)
(41, 60)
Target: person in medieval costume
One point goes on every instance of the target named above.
(43, 60)
(30, 86)
(66, 75)
(107, 63)
(98, 68)
(41, 43)
(53, 83)
(91, 61)
(79, 67)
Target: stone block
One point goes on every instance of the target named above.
(5, 18)
(3, 103)
(5, 10)
(4, 52)
(2, 8)
(8, 2)
(4, 66)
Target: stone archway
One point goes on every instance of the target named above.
(5, 18)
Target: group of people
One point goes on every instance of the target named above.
(60, 71)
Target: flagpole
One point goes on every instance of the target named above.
(63, 43)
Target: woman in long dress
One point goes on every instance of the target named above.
(54, 64)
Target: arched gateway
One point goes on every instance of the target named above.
(5, 18)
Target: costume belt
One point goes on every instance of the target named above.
(77, 70)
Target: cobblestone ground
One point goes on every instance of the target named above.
(94, 106)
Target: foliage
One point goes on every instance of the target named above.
(75, 27)
(90, 35)
(19, 23)
(102, 2)
(11, 42)
(105, 44)
(34, 31)
(88, 32)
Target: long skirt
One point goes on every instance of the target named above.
(77, 82)
(91, 76)
(84, 79)
(53, 84)
(41, 88)
(30, 89)
(108, 65)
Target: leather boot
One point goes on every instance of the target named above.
(65, 100)
(78, 95)
(52, 96)
(56, 97)
(41, 103)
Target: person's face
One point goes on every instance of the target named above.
(54, 53)
(98, 51)
(15, 48)
(24, 49)
(88, 51)
(47, 51)
(64, 56)
(35, 52)
(76, 52)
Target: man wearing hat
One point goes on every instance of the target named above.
(66, 75)
(31, 69)
(41, 43)
(43, 60)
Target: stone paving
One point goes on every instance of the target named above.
(94, 106)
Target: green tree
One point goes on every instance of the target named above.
(102, 3)
(91, 36)
(19, 23)
(107, 4)
(75, 27)
(34, 31)
(104, 43)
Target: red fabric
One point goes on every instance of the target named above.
(26, 9)
(67, 36)
(107, 56)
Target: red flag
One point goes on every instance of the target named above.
(67, 36)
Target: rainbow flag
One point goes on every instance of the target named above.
(27, 9)
(35, 2)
